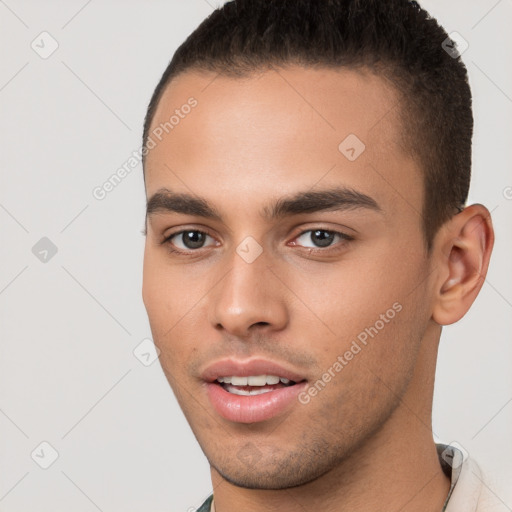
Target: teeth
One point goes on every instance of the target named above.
(259, 380)
(239, 381)
(272, 379)
(243, 392)
(253, 380)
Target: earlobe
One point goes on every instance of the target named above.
(465, 246)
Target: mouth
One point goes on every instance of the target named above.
(251, 391)
(253, 384)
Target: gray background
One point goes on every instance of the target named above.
(70, 324)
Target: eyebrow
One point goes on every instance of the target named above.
(332, 199)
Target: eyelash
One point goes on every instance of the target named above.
(344, 238)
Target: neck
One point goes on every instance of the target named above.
(398, 466)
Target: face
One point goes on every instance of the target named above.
(299, 255)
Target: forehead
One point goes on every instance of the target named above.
(279, 129)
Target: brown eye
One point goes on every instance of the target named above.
(188, 239)
(320, 238)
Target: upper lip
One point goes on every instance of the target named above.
(246, 368)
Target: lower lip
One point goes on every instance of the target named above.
(255, 408)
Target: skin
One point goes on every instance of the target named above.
(366, 438)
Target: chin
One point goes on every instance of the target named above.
(270, 481)
(272, 473)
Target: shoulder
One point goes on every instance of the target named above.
(473, 493)
(205, 507)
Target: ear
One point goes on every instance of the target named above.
(462, 249)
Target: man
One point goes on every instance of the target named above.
(307, 165)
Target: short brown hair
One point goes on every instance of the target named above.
(395, 38)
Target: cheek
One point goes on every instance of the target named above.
(342, 301)
(375, 319)
(354, 294)
(152, 291)
(172, 299)
(161, 302)
(366, 380)
(167, 294)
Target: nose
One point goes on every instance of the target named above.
(249, 297)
